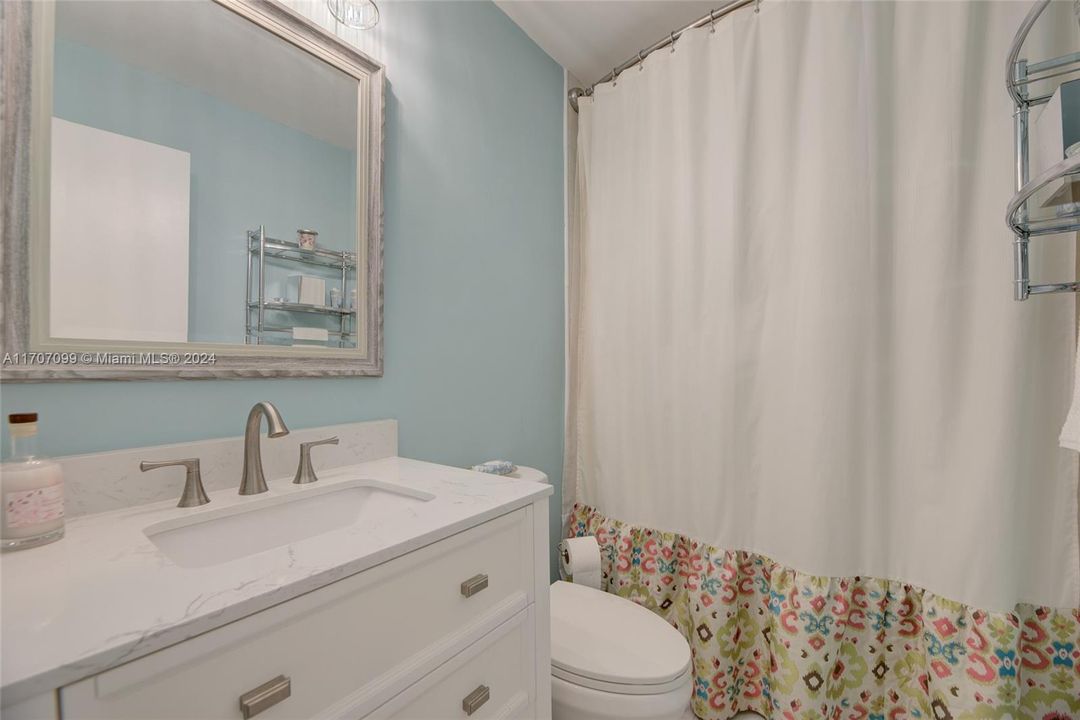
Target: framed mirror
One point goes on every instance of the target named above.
(202, 195)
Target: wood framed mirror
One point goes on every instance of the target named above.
(195, 192)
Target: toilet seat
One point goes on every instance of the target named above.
(620, 688)
(607, 643)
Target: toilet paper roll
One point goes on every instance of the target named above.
(581, 561)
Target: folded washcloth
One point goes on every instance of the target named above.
(495, 467)
(1070, 432)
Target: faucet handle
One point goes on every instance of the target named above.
(194, 494)
(304, 472)
(306, 446)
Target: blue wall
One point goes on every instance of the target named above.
(474, 272)
(246, 170)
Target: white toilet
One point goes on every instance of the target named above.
(610, 658)
(614, 660)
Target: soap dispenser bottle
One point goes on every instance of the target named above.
(32, 488)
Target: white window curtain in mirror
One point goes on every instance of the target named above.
(794, 325)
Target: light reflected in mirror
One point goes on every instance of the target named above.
(203, 179)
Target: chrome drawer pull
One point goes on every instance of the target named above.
(474, 700)
(265, 696)
(474, 585)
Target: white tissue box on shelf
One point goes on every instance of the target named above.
(307, 290)
(309, 336)
(1054, 129)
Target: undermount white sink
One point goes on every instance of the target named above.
(217, 536)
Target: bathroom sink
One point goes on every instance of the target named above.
(218, 536)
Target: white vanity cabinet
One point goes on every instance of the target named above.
(455, 629)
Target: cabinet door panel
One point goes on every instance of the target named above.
(494, 678)
(360, 640)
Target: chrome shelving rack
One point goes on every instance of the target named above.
(261, 248)
(1020, 76)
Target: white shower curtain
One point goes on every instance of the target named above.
(795, 331)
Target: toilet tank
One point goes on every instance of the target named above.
(528, 473)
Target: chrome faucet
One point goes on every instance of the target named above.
(252, 482)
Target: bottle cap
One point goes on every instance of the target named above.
(22, 425)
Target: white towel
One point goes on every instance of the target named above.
(495, 467)
(1070, 431)
(310, 334)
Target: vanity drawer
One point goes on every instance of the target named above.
(353, 644)
(497, 675)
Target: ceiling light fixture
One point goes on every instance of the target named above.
(360, 14)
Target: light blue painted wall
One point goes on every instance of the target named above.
(474, 272)
(246, 170)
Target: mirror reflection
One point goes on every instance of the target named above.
(203, 181)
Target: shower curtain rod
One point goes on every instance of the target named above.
(711, 17)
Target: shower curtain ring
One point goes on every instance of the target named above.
(614, 76)
(712, 22)
(640, 60)
(757, 6)
(673, 42)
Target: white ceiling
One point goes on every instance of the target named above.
(209, 48)
(590, 37)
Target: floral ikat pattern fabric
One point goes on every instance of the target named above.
(793, 646)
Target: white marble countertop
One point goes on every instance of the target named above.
(105, 594)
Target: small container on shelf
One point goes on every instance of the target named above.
(32, 487)
(307, 239)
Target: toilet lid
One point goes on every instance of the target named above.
(600, 636)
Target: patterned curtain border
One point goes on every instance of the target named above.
(769, 639)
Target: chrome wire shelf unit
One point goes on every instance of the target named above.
(1059, 217)
(260, 249)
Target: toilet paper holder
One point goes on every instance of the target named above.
(581, 561)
